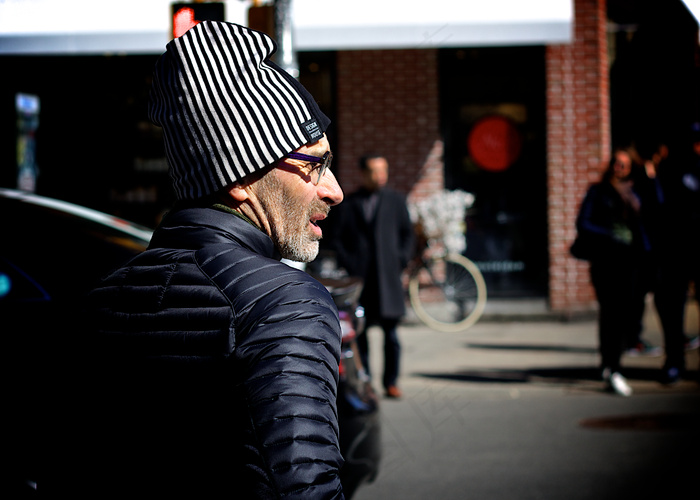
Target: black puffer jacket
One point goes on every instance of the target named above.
(220, 366)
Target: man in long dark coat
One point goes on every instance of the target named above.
(375, 241)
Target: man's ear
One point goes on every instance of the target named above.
(238, 192)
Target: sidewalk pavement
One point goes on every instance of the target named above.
(529, 321)
(514, 407)
(537, 309)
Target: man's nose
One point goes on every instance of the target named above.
(329, 189)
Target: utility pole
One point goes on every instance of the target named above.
(287, 58)
(275, 19)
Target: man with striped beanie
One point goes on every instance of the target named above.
(221, 362)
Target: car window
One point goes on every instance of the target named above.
(64, 254)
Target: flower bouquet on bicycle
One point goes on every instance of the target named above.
(446, 289)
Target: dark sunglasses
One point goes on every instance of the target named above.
(321, 164)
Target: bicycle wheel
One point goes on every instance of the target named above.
(448, 294)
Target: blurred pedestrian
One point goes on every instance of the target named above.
(610, 224)
(648, 160)
(679, 249)
(375, 240)
(216, 365)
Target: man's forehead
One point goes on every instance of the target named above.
(378, 163)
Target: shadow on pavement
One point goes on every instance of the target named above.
(554, 375)
(530, 347)
(663, 421)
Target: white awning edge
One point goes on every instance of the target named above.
(84, 27)
(85, 43)
(431, 36)
(386, 24)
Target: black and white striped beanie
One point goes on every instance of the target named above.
(226, 109)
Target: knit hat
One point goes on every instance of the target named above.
(226, 109)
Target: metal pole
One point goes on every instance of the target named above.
(287, 59)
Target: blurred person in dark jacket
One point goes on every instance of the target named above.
(609, 220)
(215, 366)
(375, 240)
(679, 250)
(650, 159)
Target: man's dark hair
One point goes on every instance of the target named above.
(367, 157)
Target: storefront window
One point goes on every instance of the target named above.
(493, 117)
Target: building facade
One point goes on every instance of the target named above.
(521, 109)
(421, 107)
(417, 107)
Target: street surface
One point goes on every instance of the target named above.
(516, 410)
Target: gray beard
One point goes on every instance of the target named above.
(288, 220)
(299, 251)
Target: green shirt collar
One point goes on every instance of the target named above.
(227, 209)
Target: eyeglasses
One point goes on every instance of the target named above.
(321, 164)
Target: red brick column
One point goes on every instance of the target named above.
(387, 102)
(578, 145)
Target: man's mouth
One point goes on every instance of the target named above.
(317, 212)
(314, 222)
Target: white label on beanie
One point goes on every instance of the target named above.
(312, 130)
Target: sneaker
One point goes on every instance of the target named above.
(617, 383)
(692, 343)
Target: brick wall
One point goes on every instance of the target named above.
(387, 102)
(578, 145)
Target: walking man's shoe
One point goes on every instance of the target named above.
(393, 392)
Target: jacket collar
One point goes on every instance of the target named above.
(194, 228)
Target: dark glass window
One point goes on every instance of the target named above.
(493, 115)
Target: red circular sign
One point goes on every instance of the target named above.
(494, 143)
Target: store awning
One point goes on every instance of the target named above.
(140, 26)
(392, 24)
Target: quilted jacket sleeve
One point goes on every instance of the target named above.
(287, 340)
